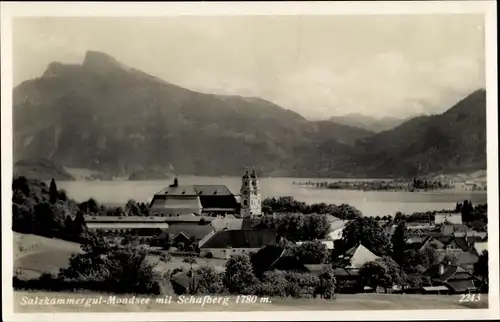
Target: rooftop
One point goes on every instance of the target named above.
(197, 190)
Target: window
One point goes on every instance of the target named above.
(245, 202)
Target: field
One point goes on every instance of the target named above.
(35, 255)
(343, 302)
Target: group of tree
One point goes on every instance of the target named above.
(132, 208)
(471, 213)
(296, 226)
(290, 205)
(368, 232)
(45, 211)
(105, 267)
(419, 184)
(240, 278)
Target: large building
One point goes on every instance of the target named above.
(178, 199)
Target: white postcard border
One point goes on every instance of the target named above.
(33, 9)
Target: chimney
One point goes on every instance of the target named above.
(441, 269)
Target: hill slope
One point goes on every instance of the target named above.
(106, 116)
(41, 169)
(454, 141)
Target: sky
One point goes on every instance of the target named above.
(318, 66)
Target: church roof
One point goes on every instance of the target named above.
(197, 190)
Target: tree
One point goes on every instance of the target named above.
(117, 269)
(327, 283)
(132, 208)
(313, 252)
(210, 281)
(53, 192)
(79, 225)
(239, 277)
(398, 242)
(382, 272)
(481, 267)
(366, 231)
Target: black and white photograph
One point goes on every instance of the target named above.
(161, 160)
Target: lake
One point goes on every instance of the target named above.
(370, 203)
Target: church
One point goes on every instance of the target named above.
(209, 200)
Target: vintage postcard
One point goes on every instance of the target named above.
(249, 161)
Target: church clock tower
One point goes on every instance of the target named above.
(250, 195)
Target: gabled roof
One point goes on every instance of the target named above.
(355, 257)
(190, 230)
(266, 257)
(316, 269)
(241, 239)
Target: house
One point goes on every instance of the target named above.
(140, 225)
(455, 278)
(224, 243)
(182, 235)
(452, 218)
(336, 229)
(355, 258)
(464, 259)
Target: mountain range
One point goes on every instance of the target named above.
(368, 122)
(108, 117)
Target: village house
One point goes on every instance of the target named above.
(181, 236)
(224, 243)
(454, 279)
(346, 267)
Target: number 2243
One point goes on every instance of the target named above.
(470, 297)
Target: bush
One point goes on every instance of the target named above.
(120, 269)
(273, 284)
(211, 282)
(239, 277)
(301, 285)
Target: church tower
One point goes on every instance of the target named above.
(250, 195)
